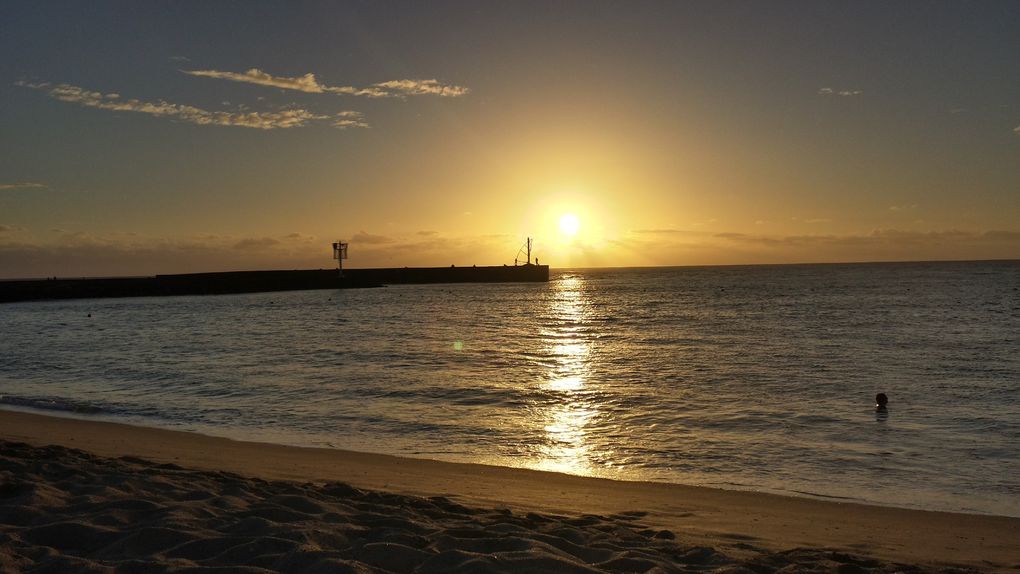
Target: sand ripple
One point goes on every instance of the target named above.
(64, 510)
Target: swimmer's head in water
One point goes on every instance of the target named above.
(881, 400)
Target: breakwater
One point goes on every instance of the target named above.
(488, 274)
(259, 281)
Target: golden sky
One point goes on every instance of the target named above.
(674, 133)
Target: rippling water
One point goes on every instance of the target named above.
(737, 377)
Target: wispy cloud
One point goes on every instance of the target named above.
(368, 238)
(282, 119)
(78, 253)
(882, 237)
(909, 207)
(1016, 130)
(844, 93)
(256, 243)
(349, 119)
(22, 185)
(309, 84)
(423, 87)
(669, 246)
(660, 231)
(305, 83)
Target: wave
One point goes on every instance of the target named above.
(51, 404)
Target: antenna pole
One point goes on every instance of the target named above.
(340, 253)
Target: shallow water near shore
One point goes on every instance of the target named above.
(758, 377)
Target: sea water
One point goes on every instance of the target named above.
(751, 377)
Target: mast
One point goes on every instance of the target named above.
(527, 250)
(340, 253)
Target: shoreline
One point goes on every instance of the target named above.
(277, 440)
(211, 433)
(737, 523)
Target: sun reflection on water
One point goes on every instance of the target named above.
(566, 446)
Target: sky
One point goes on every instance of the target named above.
(167, 137)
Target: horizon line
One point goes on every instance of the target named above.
(551, 268)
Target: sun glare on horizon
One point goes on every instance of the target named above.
(570, 224)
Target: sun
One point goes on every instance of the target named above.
(569, 224)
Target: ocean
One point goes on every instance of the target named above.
(747, 377)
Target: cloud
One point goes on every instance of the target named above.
(349, 119)
(283, 119)
(732, 235)
(80, 254)
(256, 244)
(844, 93)
(370, 92)
(83, 254)
(22, 185)
(265, 244)
(669, 246)
(877, 245)
(910, 207)
(368, 238)
(423, 87)
(1016, 130)
(10, 228)
(309, 84)
(881, 237)
(305, 83)
(1002, 235)
(663, 232)
(118, 253)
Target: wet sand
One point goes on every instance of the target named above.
(118, 498)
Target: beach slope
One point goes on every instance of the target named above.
(117, 498)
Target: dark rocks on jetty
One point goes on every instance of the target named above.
(259, 281)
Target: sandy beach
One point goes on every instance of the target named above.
(88, 496)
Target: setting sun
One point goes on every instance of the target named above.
(569, 224)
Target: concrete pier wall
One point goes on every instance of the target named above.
(258, 281)
(491, 274)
